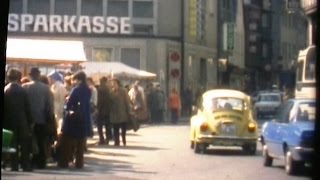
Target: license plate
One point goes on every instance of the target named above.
(268, 109)
(228, 128)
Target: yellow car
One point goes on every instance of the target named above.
(224, 118)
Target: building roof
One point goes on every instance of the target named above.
(45, 51)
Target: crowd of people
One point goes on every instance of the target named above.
(51, 116)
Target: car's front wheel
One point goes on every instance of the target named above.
(291, 166)
(267, 159)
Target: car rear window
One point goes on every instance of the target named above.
(270, 97)
(306, 111)
(225, 103)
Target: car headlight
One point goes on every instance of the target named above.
(252, 127)
(204, 126)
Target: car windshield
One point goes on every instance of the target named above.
(306, 111)
(270, 98)
(224, 103)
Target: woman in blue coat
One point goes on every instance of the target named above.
(76, 125)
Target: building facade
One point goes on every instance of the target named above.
(273, 38)
(173, 38)
(231, 47)
(289, 36)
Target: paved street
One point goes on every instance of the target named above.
(161, 152)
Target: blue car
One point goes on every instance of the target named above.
(289, 136)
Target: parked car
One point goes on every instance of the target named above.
(289, 136)
(224, 118)
(267, 103)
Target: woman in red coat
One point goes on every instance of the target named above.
(174, 105)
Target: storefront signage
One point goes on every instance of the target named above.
(193, 19)
(228, 36)
(68, 24)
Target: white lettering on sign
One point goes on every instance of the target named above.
(84, 22)
(98, 26)
(55, 23)
(40, 20)
(125, 25)
(68, 24)
(112, 25)
(26, 19)
(13, 24)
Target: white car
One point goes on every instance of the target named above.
(268, 103)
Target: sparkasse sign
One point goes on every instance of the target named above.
(68, 24)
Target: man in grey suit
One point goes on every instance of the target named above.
(41, 107)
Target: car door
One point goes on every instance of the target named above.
(282, 128)
(272, 132)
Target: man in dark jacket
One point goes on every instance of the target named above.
(42, 108)
(103, 118)
(159, 104)
(18, 119)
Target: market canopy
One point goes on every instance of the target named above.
(116, 69)
(44, 51)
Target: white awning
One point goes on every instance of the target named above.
(45, 51)
(117, 69)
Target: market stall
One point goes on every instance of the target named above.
(45, 54)
(115, 69)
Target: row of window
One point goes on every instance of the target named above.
(119, 8)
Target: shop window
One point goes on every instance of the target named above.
(102, 54)
(143, 29)
(63, 7)
(15, 6)
(131, 57)
(39, 7)
(118, 8)
(91, 7)
(143, 9)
